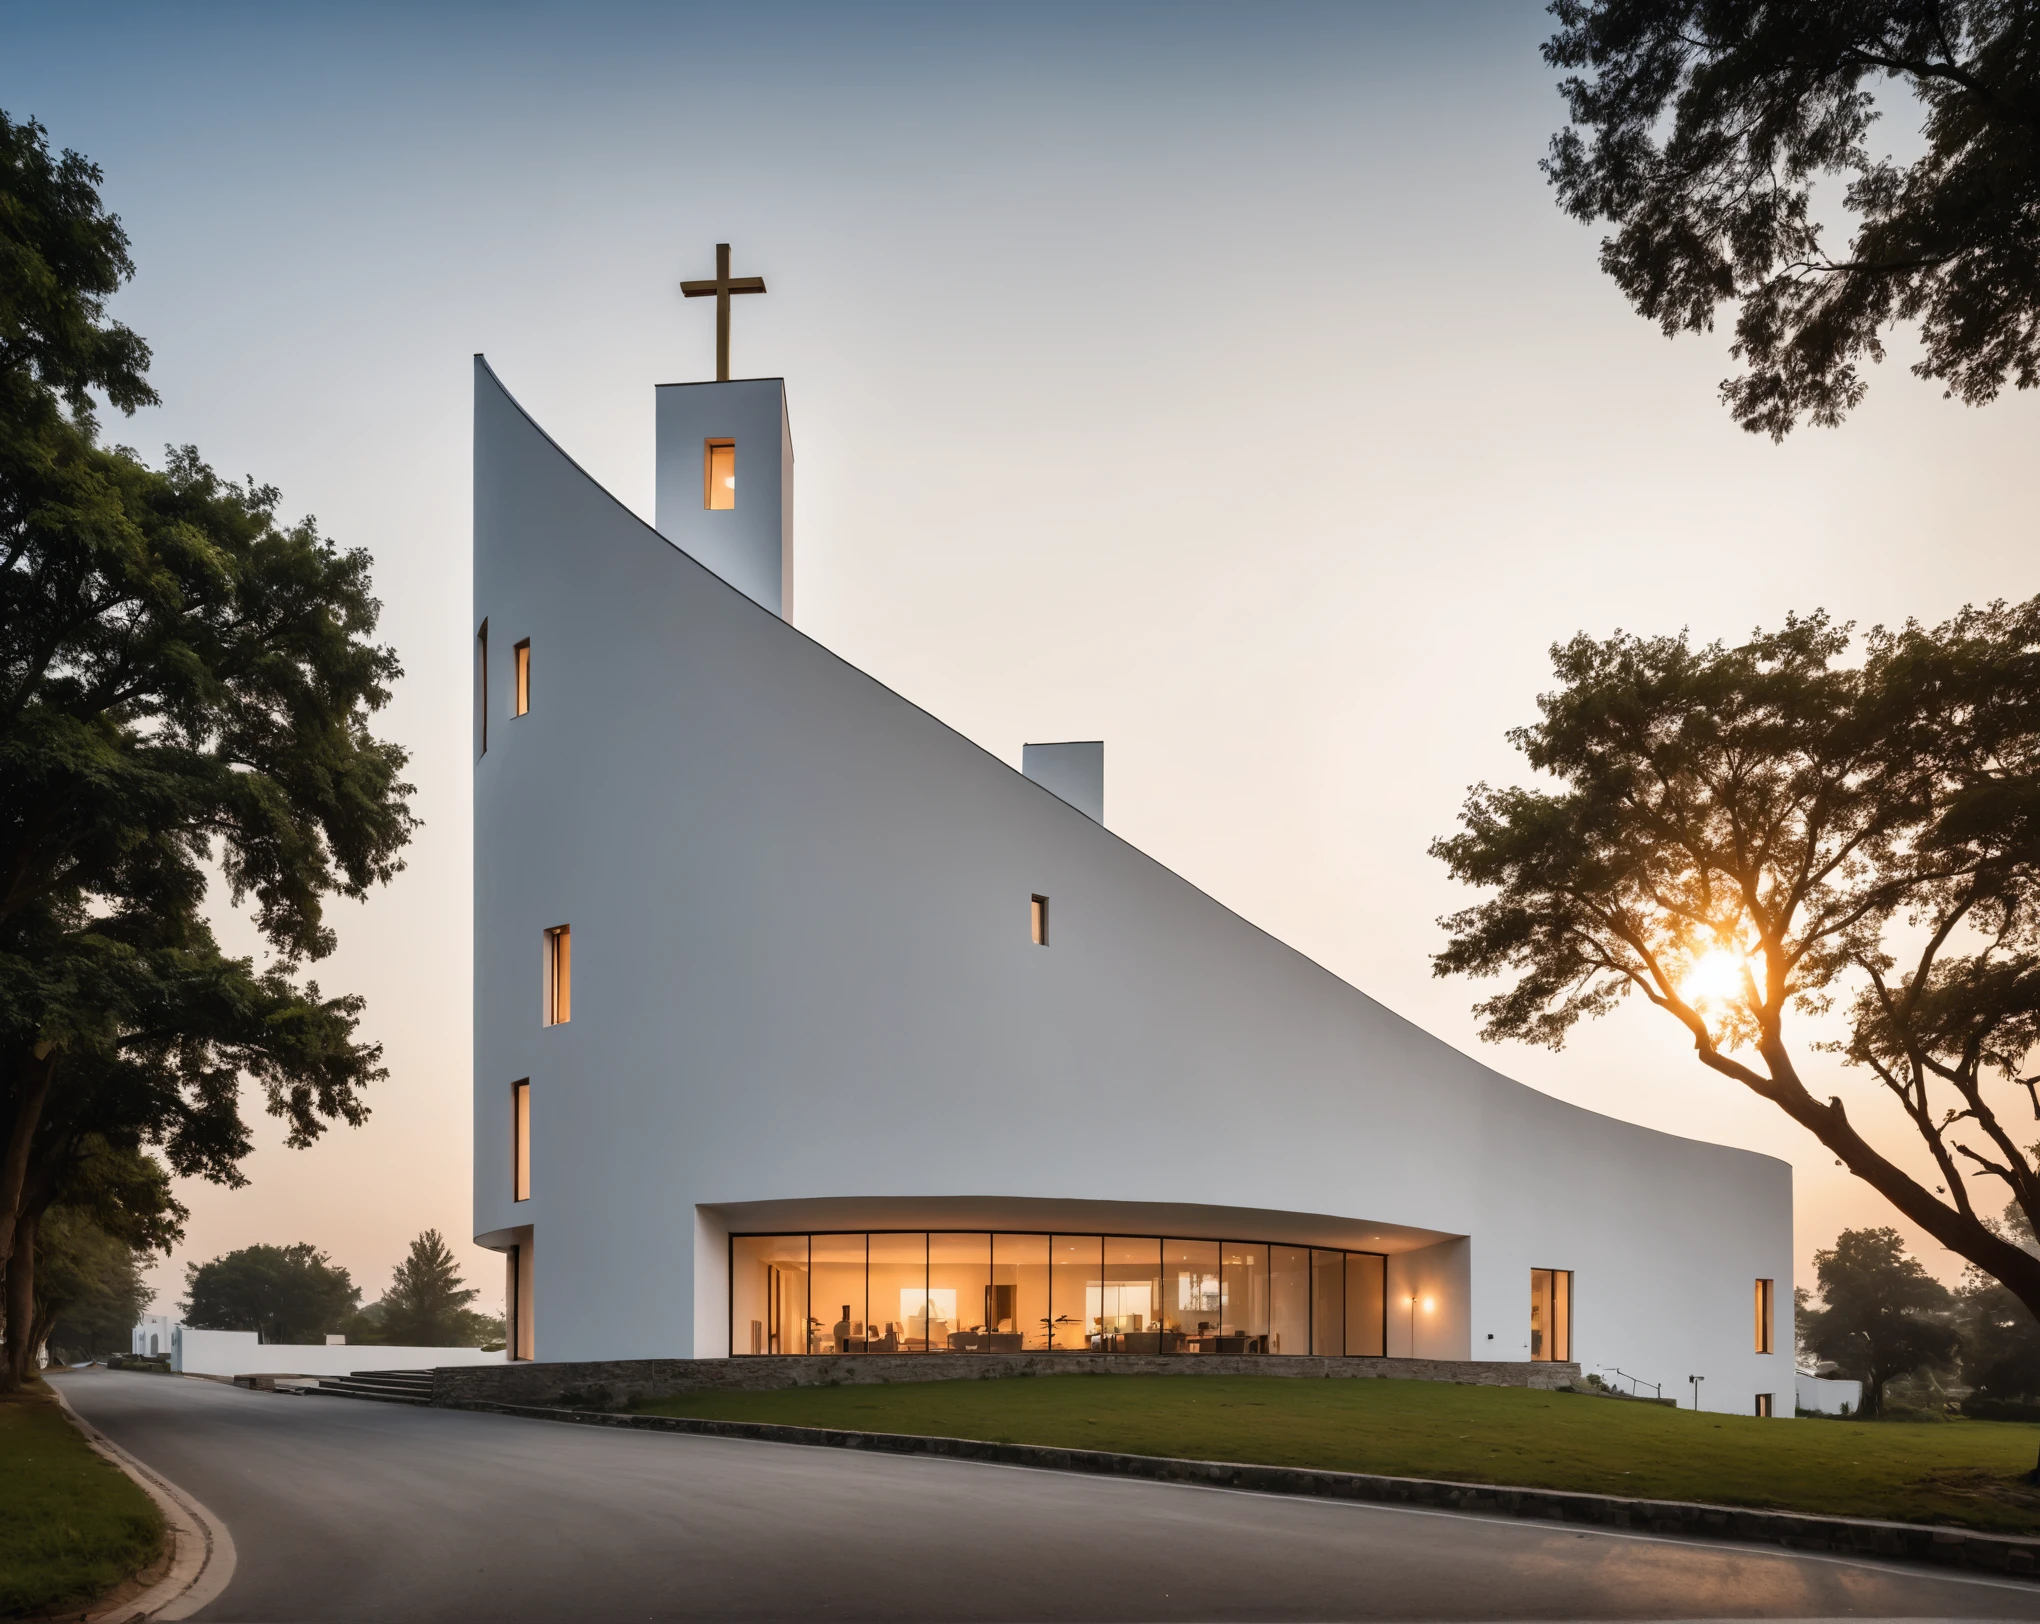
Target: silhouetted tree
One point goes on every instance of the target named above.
(1700, 127)
(1744, 834)
(184, 682)
(89, 1287)
(426, 1305)
(285, 1293)
(1885, 1316)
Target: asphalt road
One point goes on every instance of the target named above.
(347, 1510)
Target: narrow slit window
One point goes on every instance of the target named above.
(559, 975)
(719, 473)
(1040, 921)
(1763, 1316)
(1763, 1406)
(520, 1141)
(521, 701)
(482, 689)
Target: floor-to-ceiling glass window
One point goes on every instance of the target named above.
(1551, 1314)
(1288, 1299)
(1243, 1297)
(1130, 1295)
(1192, 1302)
(768, 1294)
(1020, 1292)
(969, 1292)
(897, 1284)
(1328, 1303)
(836, 1266)
(1366, 1305)
(1078, 1263)
(960, 1318)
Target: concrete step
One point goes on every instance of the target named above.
(388, 1386)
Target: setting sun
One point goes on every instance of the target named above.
(1717, 975)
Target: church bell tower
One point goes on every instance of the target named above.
(725, 464)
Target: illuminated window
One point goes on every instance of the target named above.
(1041, 921)
(520, 1141)
(719, 474)
(1764, 1320)
(1551, 1314)
(521, 703)
(482, 689)
(1764, 1406)
(559, 975)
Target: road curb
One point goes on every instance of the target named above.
(1796, 1531)
(202, 1551)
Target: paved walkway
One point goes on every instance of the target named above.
(356, 1511)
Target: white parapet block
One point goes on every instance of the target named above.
(196, 1352)
(1827, 1395)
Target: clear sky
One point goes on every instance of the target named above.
(1218, 381)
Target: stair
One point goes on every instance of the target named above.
(389, 1386)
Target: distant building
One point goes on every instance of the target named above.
(804, 1024)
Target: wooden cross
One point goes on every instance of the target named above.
(722, 287)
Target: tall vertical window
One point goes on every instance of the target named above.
(559, 975)
(1039, 914)
(1551, 1314)
(482, 690)
(520, 1141)
(1763, 1316)
(719, 473)
(1764, 1406)
(520, 702)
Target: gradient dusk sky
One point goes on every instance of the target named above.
(1218, 381)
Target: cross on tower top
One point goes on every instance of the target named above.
(722, 287)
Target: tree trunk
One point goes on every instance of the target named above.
(32, 1076)
(17, 1360)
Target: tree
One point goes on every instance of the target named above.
(426, 1305)
(89, 1286)
(185, 685)
(284, 1293)
(1742, 835)
(1880, 1320)
(1699, 129)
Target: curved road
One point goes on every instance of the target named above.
(348, 1510)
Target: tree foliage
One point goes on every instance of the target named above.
(186, 684)
(1699, 129)
(1884, 1315)
(89, 1286)
(426, 1305)
(1752, 834)
(286, 1293)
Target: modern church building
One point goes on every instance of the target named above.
(803, 1024)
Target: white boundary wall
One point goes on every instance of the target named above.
(195, 1352)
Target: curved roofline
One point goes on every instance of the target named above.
(483, 367)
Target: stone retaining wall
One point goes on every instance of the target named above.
(616, 1383)
(1847, 1536)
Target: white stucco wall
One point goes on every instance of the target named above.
(195, 1352)
(803, 975)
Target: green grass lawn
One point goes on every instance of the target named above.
(1954, 1471)
(71, 1523)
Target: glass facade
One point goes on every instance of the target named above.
(949, 1291)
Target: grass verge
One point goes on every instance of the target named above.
(1960, 1472)
(72, 1524)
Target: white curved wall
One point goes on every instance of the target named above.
(803, 973)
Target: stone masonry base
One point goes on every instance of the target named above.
(603, 1384)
